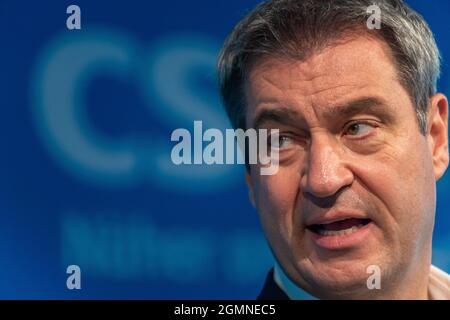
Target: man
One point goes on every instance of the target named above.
(363, 140)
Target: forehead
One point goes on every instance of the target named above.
(354, 67)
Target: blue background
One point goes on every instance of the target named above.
(85, 173)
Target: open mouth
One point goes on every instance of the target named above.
(339, 228)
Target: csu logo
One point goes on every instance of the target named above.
(164, 75)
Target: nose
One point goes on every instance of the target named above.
(325, 171)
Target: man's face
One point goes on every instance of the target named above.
(356, 179)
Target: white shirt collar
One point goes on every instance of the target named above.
(293, 291)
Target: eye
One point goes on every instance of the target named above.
(359, 129)
(285, 141)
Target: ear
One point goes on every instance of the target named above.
(438, 134)
(251, 194)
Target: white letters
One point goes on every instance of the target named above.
(74, 20)
(74, 280)
(252, 144)
(374, 21)
(374, 281)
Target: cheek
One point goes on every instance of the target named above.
(402, 183)
(276, 197)
(420, 191)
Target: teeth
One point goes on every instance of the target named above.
(339, 232)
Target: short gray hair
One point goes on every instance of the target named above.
(298, 28)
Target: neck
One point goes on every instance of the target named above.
(412, 282)
(412, 286)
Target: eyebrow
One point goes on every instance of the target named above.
(285, 115)
(279, 115)
(354, 107)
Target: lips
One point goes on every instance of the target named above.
(340, 227)
(339, 231)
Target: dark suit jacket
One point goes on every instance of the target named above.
(271, 290)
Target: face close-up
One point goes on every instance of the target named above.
(356, 184)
